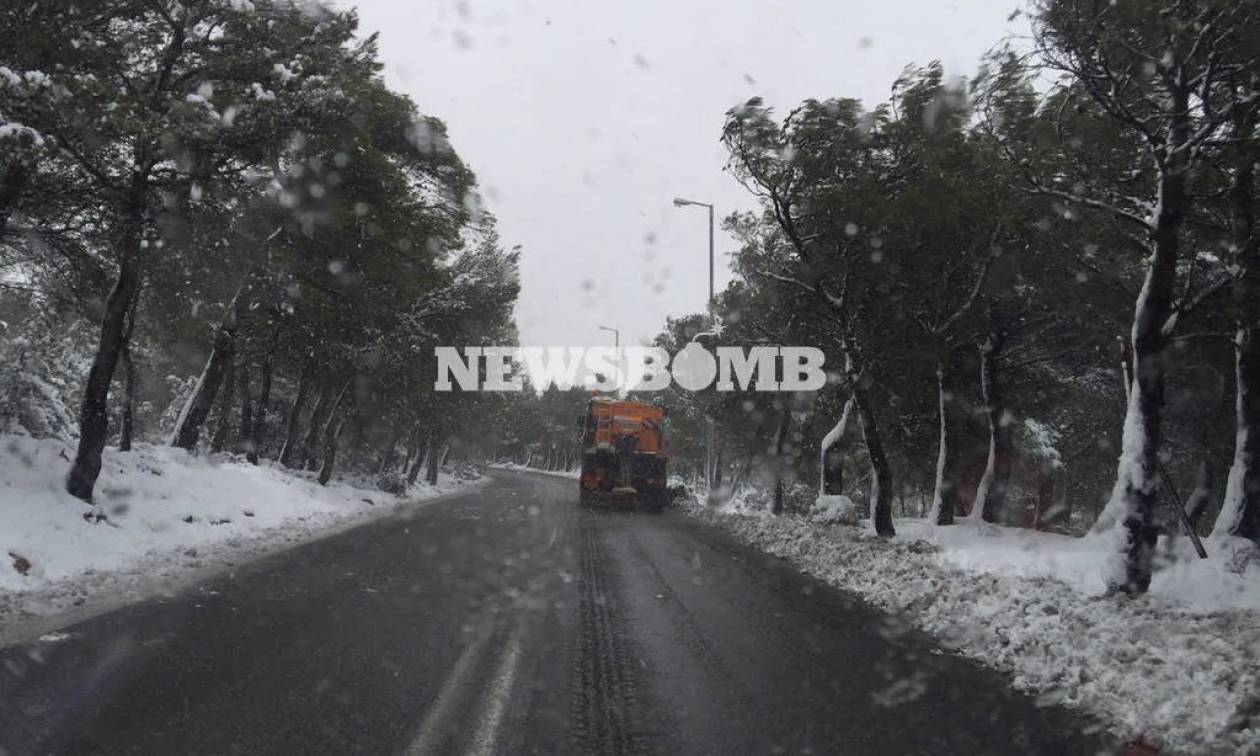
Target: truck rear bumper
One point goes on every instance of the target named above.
(613, 499)
(625, 499)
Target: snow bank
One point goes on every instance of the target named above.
(166, 515)
(1182, 581)
(1179, 666)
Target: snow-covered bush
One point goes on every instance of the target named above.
(1243, 555)
(798, 498)
(42, 364)
(392, 482)
(465, 470)
(834, 509)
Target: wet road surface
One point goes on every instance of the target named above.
(509, 620)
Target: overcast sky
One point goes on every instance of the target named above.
(583, 119)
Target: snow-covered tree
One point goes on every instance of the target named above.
(1155, 70)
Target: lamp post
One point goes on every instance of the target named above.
(680, 202)
(616, 336)
(710, 431)
(616, 349)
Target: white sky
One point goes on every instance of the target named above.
(584, 118)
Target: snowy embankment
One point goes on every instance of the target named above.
(573, 474)
(161, 517)
(1179, 666)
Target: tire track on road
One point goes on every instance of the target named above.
(604, 701)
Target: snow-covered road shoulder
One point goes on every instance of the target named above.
(160, 517)
(1182, 674)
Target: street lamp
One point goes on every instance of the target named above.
(680, 202)
(616, 335)
(710, 431)
(616, 346)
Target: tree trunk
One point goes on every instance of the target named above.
(246, 434)
(881, 472)
(1203, 493)
(1240, 512)
(319, 416)
(94, 411)
(128, 423)
(258, 429)
(387, 454)
(331, 437)
(945, 504)
(991, 493)
(1041, 502)
(289, 450)
(332, 432)
(717, 459)
(431, 472)
(1136, 491)
(417, 462)
(223, 423)
(1126, 366)
(408, 456)
(197, 408)
(831, 462)
(780, 440)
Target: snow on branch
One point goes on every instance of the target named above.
(1090, 202)
(1185, 308)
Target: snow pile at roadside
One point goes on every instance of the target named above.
(573, 474)
(1160, 666)
(834, 509)
(749, 501)
(1182, 581)
(159, 514)
(744, 502)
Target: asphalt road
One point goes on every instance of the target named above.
(509, 620)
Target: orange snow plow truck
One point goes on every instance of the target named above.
(623, 459)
